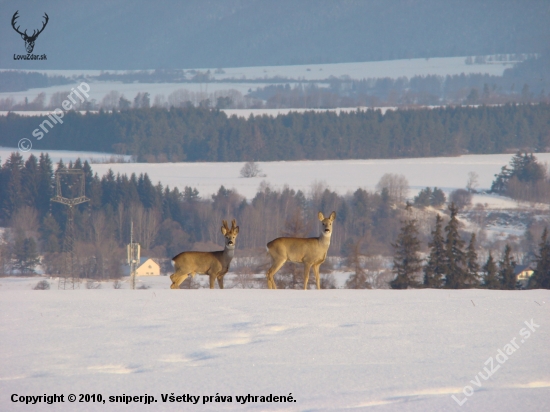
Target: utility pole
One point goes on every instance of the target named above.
(133, 255)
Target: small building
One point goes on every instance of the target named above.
(147, 267)
(523, 273)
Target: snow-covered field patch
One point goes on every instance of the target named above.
(332, 350)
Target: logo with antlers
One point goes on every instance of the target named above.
(29, 40)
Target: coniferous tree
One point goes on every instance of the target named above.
(406, 261)
(541, 275)
(25, 254)
(454, 251)
(434, 271)
(506, 269)
(490, 274)
(437, 197)
(472, 273)
(423, 199)
(30, 181)
(12, 192)
(358, 279)
(45, 184)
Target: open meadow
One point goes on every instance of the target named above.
(331, 350)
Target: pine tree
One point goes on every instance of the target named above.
(506, 269)
(454, 251)
(406, 261)
(358, 279)
(45, 184)
(434, 271)
(424, 197)
(490, 278)
(541, 276)
(438, 197)
(25, 254)
(472, 274)
(30, 181)
(12, 196)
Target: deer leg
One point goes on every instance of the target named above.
(271, 272)
(307, 267)
(317, 277)
(177, 279)
(212, 277)
(220, 281)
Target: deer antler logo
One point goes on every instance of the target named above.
(29, 40)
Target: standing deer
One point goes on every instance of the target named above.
(309, 251)
(213, 264)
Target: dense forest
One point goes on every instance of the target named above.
(201, 134)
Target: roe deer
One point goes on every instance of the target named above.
(309, 251)
(213, 264)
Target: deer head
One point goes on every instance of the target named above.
(29, 40)
(230, 234)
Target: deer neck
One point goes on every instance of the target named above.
(324, 240)
(228, 254)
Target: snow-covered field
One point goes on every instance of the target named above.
(57, 155)
(241, 76)
(331, 350)
(447, 173)
(342, 176)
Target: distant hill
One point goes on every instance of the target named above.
(125, 34)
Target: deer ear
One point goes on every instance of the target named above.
(224, 230)
(321, 216)
(237, 230)
(332, 216)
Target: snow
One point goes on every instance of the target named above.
(283, 111)
(333, 350)
(57, 155)
(238, 78)
(440, 66)
(342, 176)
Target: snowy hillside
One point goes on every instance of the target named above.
(244, 78)
(342, 176)
(333, 350)
(448, 173)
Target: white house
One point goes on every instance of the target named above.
(523, 273)
(147, 267)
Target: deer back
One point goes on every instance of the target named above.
(200, 262)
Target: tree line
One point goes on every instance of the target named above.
(370, 225)
(201, 134)
(453, 265)
(168, 221)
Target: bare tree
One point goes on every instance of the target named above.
(110, 100)
(146, 224)
(461, 198)
(250, 169)
(473, 182)
(25, 219)
(396, 185)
